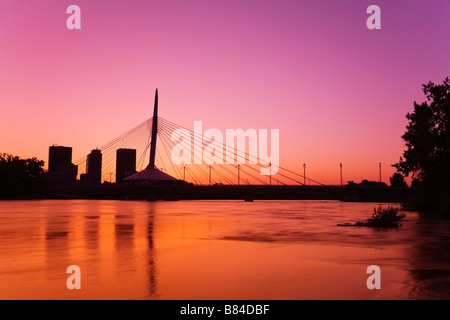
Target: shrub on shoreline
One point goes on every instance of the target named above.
(385, 217)
(381, 218)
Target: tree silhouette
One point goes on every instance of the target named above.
(427, 138)
(398, 180)
(21, 178)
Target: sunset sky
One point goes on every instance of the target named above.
(337, 91)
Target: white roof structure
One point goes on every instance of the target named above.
(149, 174)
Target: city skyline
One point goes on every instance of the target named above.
(337, 91)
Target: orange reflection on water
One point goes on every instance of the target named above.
(199, 250)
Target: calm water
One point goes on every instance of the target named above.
(216, 250)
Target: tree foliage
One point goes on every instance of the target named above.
(21, 178)
(427, 138)
(398, 180)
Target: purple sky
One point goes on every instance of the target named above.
(337, 91)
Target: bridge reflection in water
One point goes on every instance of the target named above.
(215, 250)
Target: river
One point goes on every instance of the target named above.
(281, 250)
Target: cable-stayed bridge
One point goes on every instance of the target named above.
(166, 161)
(154, 140)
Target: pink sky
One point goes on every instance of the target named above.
(337, 91)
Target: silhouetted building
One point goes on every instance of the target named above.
(61, 171)
(57, 156)
(94, 167)
(125, 163)
(83, 179)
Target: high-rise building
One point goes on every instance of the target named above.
(61, 171)
(94, 167)
(125, 163)
(58, 156)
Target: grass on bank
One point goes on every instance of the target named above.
(381, 218)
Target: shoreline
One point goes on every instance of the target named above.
(153, 192)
